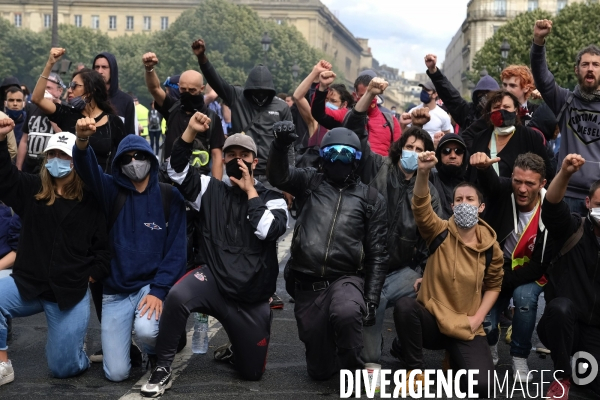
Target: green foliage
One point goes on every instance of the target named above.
(575, 27)
(232, 34)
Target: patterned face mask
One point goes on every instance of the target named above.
(466, 215)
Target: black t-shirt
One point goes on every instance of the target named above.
(106, 139)
(177, 122)
(38, 130)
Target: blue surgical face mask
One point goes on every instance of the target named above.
(331, 106)
(58, 168)
(425, 97)
(409, 161)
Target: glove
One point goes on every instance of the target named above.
(369, 317)
(285, 133)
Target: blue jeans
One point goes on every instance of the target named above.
(577, 205)
(398, 284)
(119, 313)
(525, 298)
(66, 328)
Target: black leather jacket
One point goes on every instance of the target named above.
(333, 236)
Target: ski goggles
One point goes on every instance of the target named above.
(340, 152)
(199, 158)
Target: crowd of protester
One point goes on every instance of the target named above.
(449, 213)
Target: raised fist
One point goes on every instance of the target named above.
(85, 127)
(436, 138)
(326, 78)
(430, 62)
(420, 116)
(199, 122)
(322, 66)
(405, 119)
(199, 48)
(427, 160)
(541, 29)
(6, 125)
(285, 133)
(482, 161)
(572, 163)
(377, 86)
(149, 60)
(55, 54)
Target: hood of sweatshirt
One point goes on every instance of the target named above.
(544, 119)
(441, 168)
(114, 72)
(133, 143)
(259, 78)
(486, 83)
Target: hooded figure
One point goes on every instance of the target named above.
(448, 176)
(254, 108)
(121, 101)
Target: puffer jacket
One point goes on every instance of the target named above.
(333, 236)
(405, 245)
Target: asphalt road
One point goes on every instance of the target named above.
(200, 377)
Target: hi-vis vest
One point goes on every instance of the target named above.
(142, 116)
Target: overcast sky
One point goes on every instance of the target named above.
(402, 32)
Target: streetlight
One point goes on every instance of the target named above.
(483, 72)
(504, 50)
(62, 67)
(295, 70)
(266, 43)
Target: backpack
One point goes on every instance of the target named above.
(154, 121)
(389, 118)
(165, 194)
(439, 239)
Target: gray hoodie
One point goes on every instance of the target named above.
(579, 124)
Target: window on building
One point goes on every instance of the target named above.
(18, 20)
(112, 22)
(500, 8)
(348, 65)
(129, 23)
(495, 28)
(147, 23)
(47, 21)
(532, 5)
(78, 21)
(95, 22)
(164, 23)
(560, 4)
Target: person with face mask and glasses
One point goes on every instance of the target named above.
(178, 113)
(504, 136)
(63, 245)
(338, 256)
(147, 232)
(240, 221)
(461, 283)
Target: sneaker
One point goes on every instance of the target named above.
(559, 389)
(521, 370)
(275, 302)
(224, 353)
(96, 357)
(159, 381)
(7, 374)
(494, 351)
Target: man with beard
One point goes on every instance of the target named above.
(338, 259)
(576, 112)
(178, 113)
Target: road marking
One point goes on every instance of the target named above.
(180, 362)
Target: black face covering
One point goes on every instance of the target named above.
(260, 97)
(233, 169)
(451, 171)
(191, 102)
(337, 171)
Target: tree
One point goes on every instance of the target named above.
(575, 27)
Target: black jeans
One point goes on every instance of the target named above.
(155, 140)
(561, 332)
(248, 325)
(330, 326)
(417, 329)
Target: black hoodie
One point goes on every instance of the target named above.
(445, 179)
(121, 101)
(246, 116)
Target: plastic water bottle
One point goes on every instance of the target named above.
(200, 336)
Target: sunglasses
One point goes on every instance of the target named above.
(138, 155)
(73, 85)
(340, 152)
(458, 151)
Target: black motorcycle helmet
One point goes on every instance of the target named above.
(341, 136)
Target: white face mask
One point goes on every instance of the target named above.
(504, 131)
(595, 214)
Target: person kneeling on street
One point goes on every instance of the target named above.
(339, 258)
(240, 223)
(461, 283)
(63, 246)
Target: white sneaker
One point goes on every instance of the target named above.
(7, 374)
(494, 351)
(521, 370)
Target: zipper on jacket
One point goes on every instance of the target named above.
(595, 294)
(337, 209)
